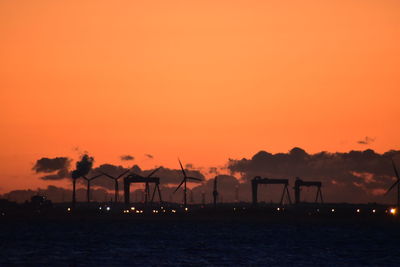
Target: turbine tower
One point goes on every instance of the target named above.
(88, 184)
(395, 183)
(116, 189)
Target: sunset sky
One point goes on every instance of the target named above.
(202, 80)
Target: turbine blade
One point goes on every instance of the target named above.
(395, 170)
(392, 187)
(122, 174)
(96, 176)
(179, 185)
(153, 172)
(106, 174)
(183, 171)
(193, 178)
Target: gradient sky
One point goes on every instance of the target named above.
(203, 80)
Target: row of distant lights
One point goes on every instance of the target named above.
(134, 210)
(107, 208)
(392, 211)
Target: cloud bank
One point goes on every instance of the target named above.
(355, 176)
(56, 168)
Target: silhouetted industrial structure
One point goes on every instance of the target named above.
(135, 178)
(300, 183)
(258, 180)
(74, 191)
(215, 192)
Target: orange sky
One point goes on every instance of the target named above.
(203, 80)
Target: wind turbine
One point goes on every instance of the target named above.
(184, 180)
(395, 183)
(116, 190)
(88, 184)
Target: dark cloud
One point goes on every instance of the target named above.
(48, 165)
(149, 156)
(56, 167)
(366, 141)
(356, 176)
(83, 166)
(127, 157)
(61, 174)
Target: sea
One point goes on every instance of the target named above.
(190, 243)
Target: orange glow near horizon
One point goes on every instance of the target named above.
(203, 80)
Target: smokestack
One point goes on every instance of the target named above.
(83, 167)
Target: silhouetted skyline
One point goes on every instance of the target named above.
(355, 176)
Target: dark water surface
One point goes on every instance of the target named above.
(184, 243)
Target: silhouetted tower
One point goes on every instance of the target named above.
(300, 183)
(89, 180)
(256, 181)
(135, 178)
(116, 185)
(73, 191)
(395, 183)
(215, 192)
(185, 178)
